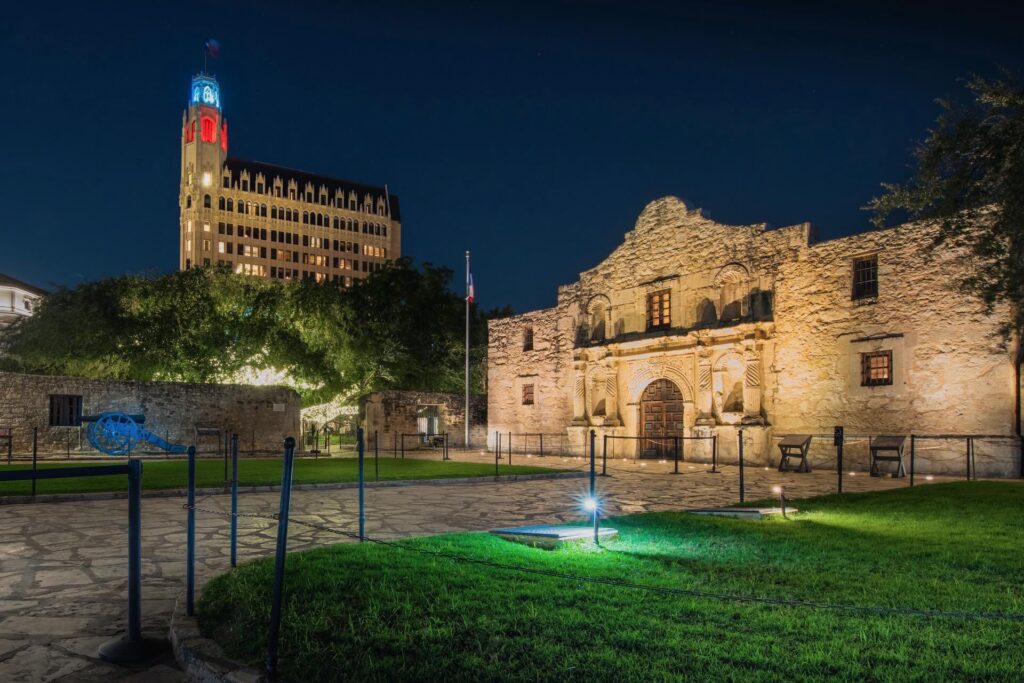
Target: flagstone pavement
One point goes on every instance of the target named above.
(63, 567)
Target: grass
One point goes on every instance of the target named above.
(173, 474)
(368, 612)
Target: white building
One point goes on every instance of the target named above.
(17, 299)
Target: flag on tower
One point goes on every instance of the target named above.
(213, 48)
(470, 293)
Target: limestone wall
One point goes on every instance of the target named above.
(388, 414)
(262, 416)
(764, 335)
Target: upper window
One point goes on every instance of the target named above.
(65, 410)
(659, 306)
(876, 368)
(865, 277)
(528, 338)
(207, 202)
(527, 394)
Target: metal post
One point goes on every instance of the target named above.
(593, 464)
(596, 529)
(542, 445)
(741, 465)
(10, 445)
(604, 456)
(401, 440)
(362, 486)
(223, 442)
(913, 454)
(714, 453)
(468, 295)
(190, 551)
(967, 457)
(133, 649)
(234, 500)
(510, 448)
(394, 450)
(675, 445)
(35, 439)
(376, 458)
(974, 464)
(837, 440)
(69, 444)
(282, 548)
(497, 451)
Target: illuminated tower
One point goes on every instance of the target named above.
(204, 147)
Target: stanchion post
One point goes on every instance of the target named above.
(714, 453)
(234, 500)
(967, 457)
(10, 445)
(394, 450)
(362, 487)
(593, 464)
(274, 632)
(376, 458)
(541, 446)
(742, 492)
(497, 451)
(675, 454)
(913, 456)
(837, 440)
(401, 442)
(35, 445)
(190, 541)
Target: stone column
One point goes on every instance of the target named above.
(579, 396)
(704, 391)
(611, 398)
(752, 389)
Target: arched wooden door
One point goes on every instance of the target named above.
(661, 418)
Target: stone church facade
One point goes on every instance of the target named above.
(695, 328)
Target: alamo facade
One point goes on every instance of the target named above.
(695, 328)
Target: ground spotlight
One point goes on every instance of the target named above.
(591, 504)
(781, 493)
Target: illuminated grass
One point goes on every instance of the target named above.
(367, 612)
(173, 474)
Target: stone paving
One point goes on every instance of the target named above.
(63, 572)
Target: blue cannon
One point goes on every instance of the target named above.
(116, 433)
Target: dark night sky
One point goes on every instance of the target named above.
(531, 133)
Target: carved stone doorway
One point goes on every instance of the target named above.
(661, 418)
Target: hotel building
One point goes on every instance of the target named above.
(271, 221)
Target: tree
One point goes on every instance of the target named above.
(969, 179)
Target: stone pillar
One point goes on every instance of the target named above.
(752, 390)
(704, 391)
(579, 396)
(611, 398)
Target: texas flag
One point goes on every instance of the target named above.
(470, 292)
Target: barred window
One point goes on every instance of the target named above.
(659, 309)
(65, 410)
(865, 277)
(528, 338)
(527, 394)
(876, 368)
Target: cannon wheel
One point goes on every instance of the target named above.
(113, 434)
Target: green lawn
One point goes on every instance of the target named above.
(369, 612)
(169, 474)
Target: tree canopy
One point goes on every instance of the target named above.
(969, 179)
(402, 328)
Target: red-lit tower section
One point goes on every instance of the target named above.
(204, 146)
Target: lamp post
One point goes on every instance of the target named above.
(781, 493)
(590, 505)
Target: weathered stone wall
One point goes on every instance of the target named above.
(764, 336)
(391, 413)
(261, 416)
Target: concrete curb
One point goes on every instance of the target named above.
(174, 493)
(202, 659)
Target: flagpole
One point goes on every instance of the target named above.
(466, 442)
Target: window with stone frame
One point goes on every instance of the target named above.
(528, 338)
(865, 277)
(527, 394)
(65, 410)
(659, 306)
(876, 368)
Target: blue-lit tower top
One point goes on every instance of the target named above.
(205, 91)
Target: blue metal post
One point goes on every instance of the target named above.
(741, 466)
(190, 552)
(593, 467)
(376, 458)
(234, 500)
(362, 487)
(282, 547)
(913, 453)
(604, 456)
(135, 550)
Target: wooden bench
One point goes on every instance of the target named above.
(887, 449)
(795, 446)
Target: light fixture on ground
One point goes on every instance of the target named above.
(781, 493)
(590, 504)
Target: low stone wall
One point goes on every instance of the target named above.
(261, 416)
(391, 413)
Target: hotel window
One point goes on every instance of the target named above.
(528, 338)
(659, 309)
(865, 277)
(527, 394)
(65, 410)
(876, 368)
(207, 202)
(206, 245)
(220, 247)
